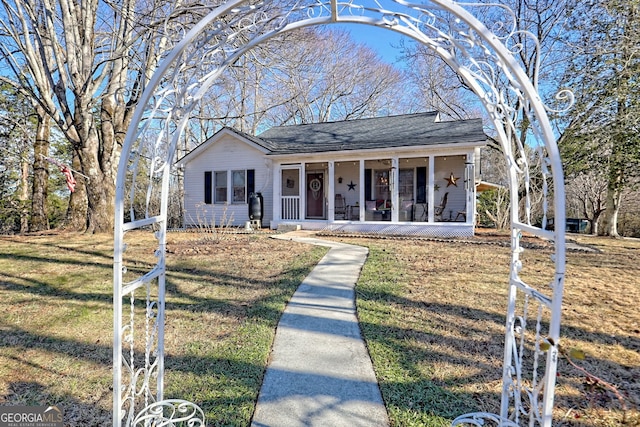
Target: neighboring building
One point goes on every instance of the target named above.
(406, 174)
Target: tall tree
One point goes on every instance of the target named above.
(533, 29)
(586, 197)
(84, 63)
(605, 74)
(17, 129)
(39, 213)
(305, 76)
(435, 85)
(322, 74)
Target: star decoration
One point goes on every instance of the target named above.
(436, 187)
(352, 186)
(452, 180)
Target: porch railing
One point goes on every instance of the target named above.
(291, 207)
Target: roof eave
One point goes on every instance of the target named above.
(385, 150)
(213, 139)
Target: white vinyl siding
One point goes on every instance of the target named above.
(226, 154)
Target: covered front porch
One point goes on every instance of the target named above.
(404, 194)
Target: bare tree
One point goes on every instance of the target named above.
(603, 128)
(586, 197)
(39, 213)
(17, 127)
(304, 76)
(436, 86)
(84, 64)
(307, 76)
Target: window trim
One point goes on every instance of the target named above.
(216, 186)
(245, 197)
(249, 186)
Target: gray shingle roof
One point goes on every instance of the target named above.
(380, 132)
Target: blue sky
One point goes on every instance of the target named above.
(379, 39)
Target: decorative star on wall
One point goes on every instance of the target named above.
(352, 186)
(436, 187)
(452, 180)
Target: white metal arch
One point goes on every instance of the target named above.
(478, 55)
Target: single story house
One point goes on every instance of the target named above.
(404, 174)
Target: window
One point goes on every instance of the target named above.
(242, 184)
(381, 184)
(405, 187)
(238, 178)
(221, 187)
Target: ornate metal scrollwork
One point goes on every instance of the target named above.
(481, 54)
(170, 412)
(482, 419)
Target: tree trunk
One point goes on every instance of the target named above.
(23, 196)
(39, 212)
(76, 218)
(100, 189)
(614, 196)
(594, 223)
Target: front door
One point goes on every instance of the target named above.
(315, 195)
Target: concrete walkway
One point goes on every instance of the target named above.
(320, 372)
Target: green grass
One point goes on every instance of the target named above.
(223, 304)
(433, 317)
(412, 399)
(224, 376)
(432, 314)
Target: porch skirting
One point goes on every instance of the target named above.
(440, 229)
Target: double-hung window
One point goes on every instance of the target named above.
(242, 185)
(239, 183)
(220, 187)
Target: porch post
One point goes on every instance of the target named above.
(470, 187)
(277, 193)
(395, 184)
(477, 173)
(431, 197)
(303, 190)
(331, 188)
(362, 202)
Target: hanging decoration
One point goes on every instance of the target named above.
(315, 185)
(452, 180)
(352, 186)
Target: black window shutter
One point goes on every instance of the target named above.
(367, 184)
(251, 182)
(208, 181)
(421, 181)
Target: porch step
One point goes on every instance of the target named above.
(289, 227)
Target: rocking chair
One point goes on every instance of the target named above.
(439, 210)
(340, 207)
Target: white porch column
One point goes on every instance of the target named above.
(471, 187)
(331, 188)
(303, 190)
(432, 180)
(361, 200)
(395, 181)
(277, 192)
